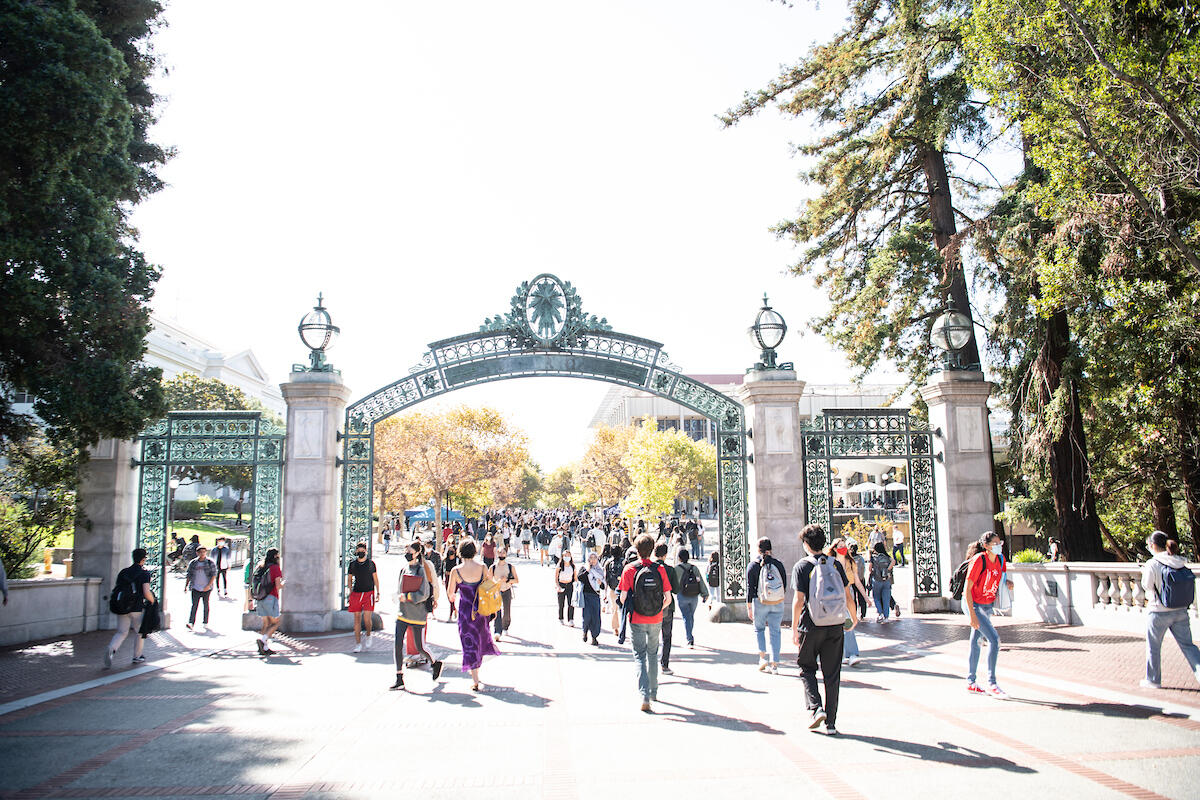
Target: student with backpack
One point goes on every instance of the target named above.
(714, 573)
(1170, 591)
(822, 611)
(268, 580)
(668, 620)
(691, 591)
(881, 581)
(766, 589)
(982, 583)
(646, 592)
(130, 596)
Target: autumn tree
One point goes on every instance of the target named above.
(559, 486)
(600, 475)
(664, 466)
(441, 452)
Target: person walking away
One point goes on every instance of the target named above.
(645, 590)
(526, 538)
(1170, 590)
(668, 620)
(130, 596)
(362, 579)
(841, 551)
(898, 546)
(874, 537)
(822, 611)
(221, 557)
(506, 575)
(412, 610)
(861, 598)
(982, 584)
(713, 579)
(691, 591)
(472, 626)
(613, 563)
(881, 582)
(766, 589)
(237, 507)
(190, 549)
(270, 575)
(201, 573)
(564, 577)
(591, 582)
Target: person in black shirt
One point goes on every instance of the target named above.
(363, 583)
(135, 575)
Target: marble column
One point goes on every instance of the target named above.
(957, 403)
(106, 522)
(776, 490)
(316, 403)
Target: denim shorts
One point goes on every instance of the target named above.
(267, 607)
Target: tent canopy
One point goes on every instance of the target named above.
(896, 486)
(425, 514)
(865, 486)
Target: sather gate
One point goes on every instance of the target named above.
(546, 332)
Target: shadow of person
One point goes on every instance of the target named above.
(943, 753)
(711, 719)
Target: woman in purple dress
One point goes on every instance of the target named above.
(474, 630)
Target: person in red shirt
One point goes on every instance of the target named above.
(645, 589)
(268, 607)
(983, 582)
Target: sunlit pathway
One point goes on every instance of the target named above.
(561, 719)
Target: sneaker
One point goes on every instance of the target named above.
(666, 671)
(437, 670)
(691, 645)
(108, 657)
(1149, 684)
(879, 619)
(366, 643)
(358, 647)
(399, 684)
(763, 664)
(996, 692)
(190, 627)
(646, 706)
(975, 688)
(261, 650)
(896, 611)
(818, 716)
(775, 669)
(139, 659)
(830, 730)
(853, 661)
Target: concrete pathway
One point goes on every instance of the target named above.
(560, 719)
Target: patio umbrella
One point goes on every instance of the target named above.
(896, 486)
(865, 486)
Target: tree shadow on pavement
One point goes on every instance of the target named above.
(710, 719)
(943, 752)
(711, 686)
(1103, 709)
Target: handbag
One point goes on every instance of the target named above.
(411, 583)
(1003, 601)
(577, 598)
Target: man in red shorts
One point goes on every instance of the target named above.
(363, 582)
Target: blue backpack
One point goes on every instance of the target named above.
(1178, 587)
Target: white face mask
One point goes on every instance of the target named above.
(998, 549)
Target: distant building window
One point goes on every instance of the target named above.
(694, 428)
(20, 398)
(668, 424)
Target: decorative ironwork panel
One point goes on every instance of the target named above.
(213, 451)
(734, 516)
(816, 492)
(356, 510)
(923, 516)
(152, 521)
(268, 508)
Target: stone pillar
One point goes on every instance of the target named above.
(776, 479)
(106, 522)
(957, 403)
(316, 403)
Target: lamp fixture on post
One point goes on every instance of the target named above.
(318, 332)
(952, 332)
(767, 333)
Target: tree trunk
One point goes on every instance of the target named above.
(1190, 468)
(1070, 479)
(941, 215)
(1163, 507)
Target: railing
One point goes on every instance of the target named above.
(1090, 593)
(1120, 585)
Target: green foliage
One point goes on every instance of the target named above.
(664, 466)
(74, 158)
(1029, 556)
(559, 486)
(37, 499)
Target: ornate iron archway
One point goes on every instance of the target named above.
(208, 438)
(546, 333)
(874, 434)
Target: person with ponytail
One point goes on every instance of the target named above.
(984, 575)
(1170, 592)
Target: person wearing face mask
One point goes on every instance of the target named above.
(564, 577)
(983, 582)
(841, 551)
(362, 580)
(591, 582)
(412, 612)
(881, 581)
(505, 575)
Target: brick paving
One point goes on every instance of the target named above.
(560, 719)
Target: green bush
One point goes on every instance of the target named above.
(1029, 556)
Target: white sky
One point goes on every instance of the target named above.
(417, 161)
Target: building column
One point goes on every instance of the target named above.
(776, 478)
(316, 403)
(957, 403)
(106, 517)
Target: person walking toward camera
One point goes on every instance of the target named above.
(822, 611)
(505, 574)
(473, 632)
(766, 589)
(362, 579)
(984, 575)
(201, 574)
(412, 610)
(1170, 591)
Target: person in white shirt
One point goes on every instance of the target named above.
(1170, 591)
(898, 546)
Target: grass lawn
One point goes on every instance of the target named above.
(207, 533)
(247, 517)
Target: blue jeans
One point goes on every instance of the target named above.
(882, 592)
(1180, 626)
(695, 543)
(645, 652)
(986, 631)
(687, 607)
(768, 618)
(849, 645)
(591, 615)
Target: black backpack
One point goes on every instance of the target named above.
(262, 583)
(612, 575)
(958, 582)
(714, 574)
(124, 598)
(880, 565)
(689, 584)
(648, 590)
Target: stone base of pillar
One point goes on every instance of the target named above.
(344, 621)
(306, 622)
(933, 605)
(728, 612)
